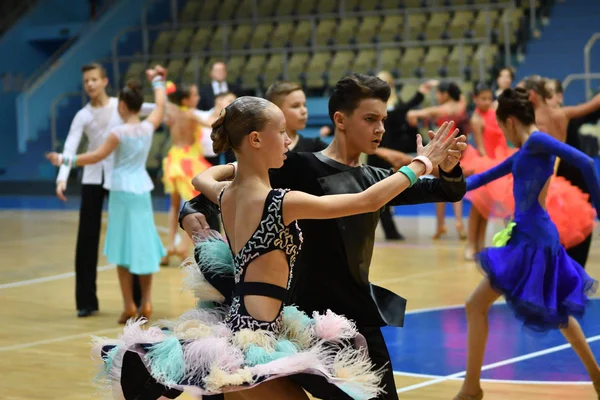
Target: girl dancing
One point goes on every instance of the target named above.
(260, 338)
(570, 172)
(545, 287)
(452, 107)
(491, 149)
(132, 242)
(555, 121)
(184, 159)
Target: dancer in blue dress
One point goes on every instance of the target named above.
(544, 287)
(132, 242)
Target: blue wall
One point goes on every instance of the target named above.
(28, 52)
(559, 50)
(33, 108)
(33, 113)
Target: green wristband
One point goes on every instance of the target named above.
(409, 173)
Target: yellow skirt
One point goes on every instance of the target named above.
(180, 166)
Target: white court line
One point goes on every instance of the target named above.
(164, 229)
(425, 376)
(495, 365)
(66, 275)
(58, 339)
(418, 275)
(48, 278)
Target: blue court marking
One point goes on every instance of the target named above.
(52, 203)
(161, 204)
(433, 343)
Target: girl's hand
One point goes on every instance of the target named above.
(54, 158)
(150, 74)
(156, 71)
(162, 71)
(437, 149)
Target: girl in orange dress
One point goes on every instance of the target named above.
(490, 149)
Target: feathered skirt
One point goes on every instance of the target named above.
(200, 354)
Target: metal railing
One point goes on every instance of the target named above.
(587, 63)
(225, 52)
(578, 77)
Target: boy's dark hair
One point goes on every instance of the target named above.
(510, 71)
(132, 96)
(181, 92)
(277, 92)
(515, 103)
(451, 88)
(94, 66)
(351, 90)
(480, 88)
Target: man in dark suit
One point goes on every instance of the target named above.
(218, 84)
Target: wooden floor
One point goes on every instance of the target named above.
(44, 348)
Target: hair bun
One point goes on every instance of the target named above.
(134, 85)
(221, 120)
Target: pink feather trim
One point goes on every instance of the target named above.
(332, 327)
(202, 354)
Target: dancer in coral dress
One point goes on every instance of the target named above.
(491, 149)
(452, 107)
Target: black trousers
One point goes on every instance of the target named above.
(580, 252)
(388, 224)
(319, 388)
(86, 252)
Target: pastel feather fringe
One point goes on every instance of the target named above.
(213, 253)
(212, 257)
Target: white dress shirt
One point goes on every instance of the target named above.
(96, 123)
(219, 87)
(205, 140)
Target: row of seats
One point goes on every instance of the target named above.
(160, 139)
(228, 10)
(324, 68)
(433, 26)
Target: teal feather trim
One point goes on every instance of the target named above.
(205, 305)
(256, 355)
(166, 361)
(109, 358)
(286, 347)
(292, 316)
(214, 257)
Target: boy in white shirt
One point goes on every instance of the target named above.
(95, 119)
